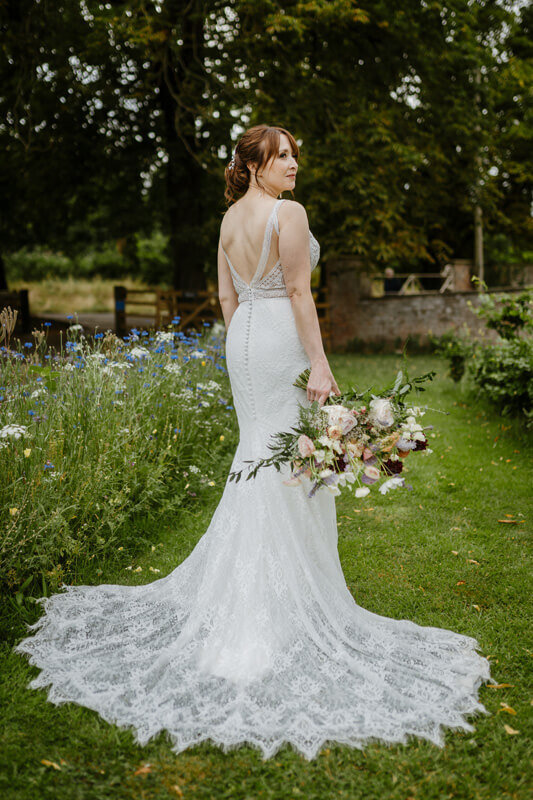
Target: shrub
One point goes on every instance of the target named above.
(106, 262)
(153, 259)
(37, 265)
(457, 348)
(501, 372)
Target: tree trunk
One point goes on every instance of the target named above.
(3, 280)
(185, 179)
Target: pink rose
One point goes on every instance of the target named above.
(305, 446)
(335, 432)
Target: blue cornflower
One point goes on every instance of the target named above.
(47, 324)
(98, 335)
(28, 344)
(70, 316)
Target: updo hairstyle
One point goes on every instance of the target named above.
(258, 145)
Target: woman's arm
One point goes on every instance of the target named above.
(295, 259)
(227, 295)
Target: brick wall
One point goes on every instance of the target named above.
(361, 323)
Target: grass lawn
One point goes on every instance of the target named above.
(438, 555)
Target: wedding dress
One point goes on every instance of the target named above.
(255, 638)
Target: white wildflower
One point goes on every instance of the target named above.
(173, 368)
(14, 431)
(139, 352)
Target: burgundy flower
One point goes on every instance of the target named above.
(391, 467)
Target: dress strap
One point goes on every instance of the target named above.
(276, 221)
(266, 242)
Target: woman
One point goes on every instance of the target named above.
(255, 637)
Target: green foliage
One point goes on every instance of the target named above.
(456, 348)
(105, 261)
(502, 372)
(153, 258)
(407, 118)
(507, 314)
(37, 264)
(148, 258)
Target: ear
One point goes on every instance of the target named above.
(251, 165)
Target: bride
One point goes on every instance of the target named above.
(255, 637)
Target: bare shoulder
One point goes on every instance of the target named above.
(293, 211)
(227, 216)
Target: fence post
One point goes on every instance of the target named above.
(24, 310)
(120, 310)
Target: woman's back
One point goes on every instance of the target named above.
(242, 235)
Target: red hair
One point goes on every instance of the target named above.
(259, 145)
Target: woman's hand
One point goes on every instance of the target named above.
(321, 382)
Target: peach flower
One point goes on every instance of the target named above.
(305, 446)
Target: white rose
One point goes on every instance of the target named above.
(381, 412)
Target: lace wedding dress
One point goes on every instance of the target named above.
(255, 637)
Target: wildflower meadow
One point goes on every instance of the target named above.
(94, 436)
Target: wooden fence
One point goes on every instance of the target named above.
(413, 282)
(192, 308)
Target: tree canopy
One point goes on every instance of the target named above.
(116, 117)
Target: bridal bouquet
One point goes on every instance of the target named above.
(352, 441)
